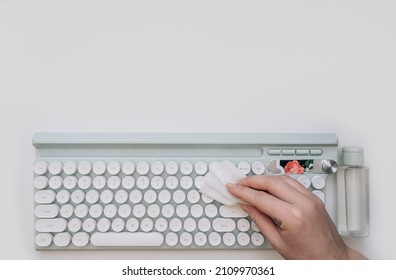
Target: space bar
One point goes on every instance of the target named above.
(126, 239)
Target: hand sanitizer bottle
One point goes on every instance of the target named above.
(353, 191)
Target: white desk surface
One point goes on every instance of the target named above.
(208, 66)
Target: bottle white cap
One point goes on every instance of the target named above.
(353, 156)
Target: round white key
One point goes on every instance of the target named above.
(80, 239)
(135, 196)
(62, 239)
(200, 239)
(99, 182)
(132, 224)
(164, 196)
(92, 196)
(200, 167)
(150, 196)
(55, 182)
(229, 239)
(304, 180)
(44, 197)
(243, 225)
(63, 196)
(186, 168)
(147, 224)
(40, 182)
(171, 239)
(70, 167)
(175, 224)
(81, 210)
(128, 182)
(142, 167)
(106, 196)
(121, 196)
(193, 196)
(113, 167)
(55, 167)
(319, 194)
(99, 167)
(210, 210)
(186, 182)
(128, 167)
(171, 167)
(153, 210)
(204, 224)
(124, 210)
(257, 239)
(189, 224)
(89, 225)
(161, 224)
(179, 196)
(157, 167)
(139, 210)
(168, 210)
(182, 210)
(157, 182)
(103, 225)
(77, 196)
(70, 182)
(198, 180)
(214, 239)
(66, 211)
(84, 167)
(96, 210)
(172, 182)
(46, 211)
(243, 238)
(74, 225)
(84, 182)
(114, 182)
(258, 168)
(196, 210)
(110, 210)
(43, 239)
(244, 166)
(118, 225)
(40, 167)
(186, 239)
(318, 182)
(142, 182)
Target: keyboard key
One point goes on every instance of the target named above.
(128, 167)
(257, 239)
(244, 166)
(51, 225)
(99, 167)
(70, 167)
(147, 224)
(175, 225)
(157, 167)
(40, 182)
(304, 180)
(232, 211)
(172, 182)
(99, 182)
(113, 167)
(153, 210)
(84, 167)
(80, 239)
(157, 182)
(223, 225)
(200, 239)
(171, 239)
(84, 182)
(186, 239)
(43, 239)
(243, 239)
(214, 239)
(132, 224)
(40, 167)
(143, 182)
(128, 182)
(66, 211)
(55, 182)
(229, 239)
(103, 225)
(258, 168)
(171, 167)
(125, 210)
(62, 239)
(186, 168)
(143, 167)
(44, 197)
(114, 182)
(46, 211)
(200, 167)
(77, 196)
(117, 225)
(70, 182)
(55, 167)
(318, 182)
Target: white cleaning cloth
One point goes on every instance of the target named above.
(221, 173)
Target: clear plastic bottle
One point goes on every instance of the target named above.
(353, 193)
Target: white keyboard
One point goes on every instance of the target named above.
(139, 191)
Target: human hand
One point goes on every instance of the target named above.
(291, 218)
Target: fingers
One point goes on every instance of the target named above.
(267, 203)
(282, 187)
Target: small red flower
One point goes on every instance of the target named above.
(293, 167)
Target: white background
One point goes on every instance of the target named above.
(196, 66)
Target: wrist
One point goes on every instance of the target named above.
(354, 255)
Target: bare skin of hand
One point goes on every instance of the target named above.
(291, 218)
